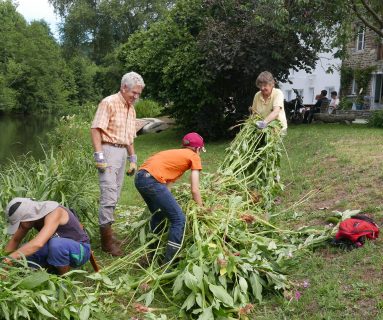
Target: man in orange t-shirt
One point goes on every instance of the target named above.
(154, 179)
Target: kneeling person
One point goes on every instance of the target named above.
(154, 179)
(60, 242)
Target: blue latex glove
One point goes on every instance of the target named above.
(261, 124)
(100, 161)
(133, 165)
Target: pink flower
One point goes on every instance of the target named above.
(246, 309)
(222, 262)
(297, 295)
(144, 287)
(141, 308)
(306, 284)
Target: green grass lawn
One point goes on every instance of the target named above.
(326, 168)
(338, 167)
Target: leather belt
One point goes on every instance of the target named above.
(115, 144)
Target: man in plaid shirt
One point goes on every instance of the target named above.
(113, 131)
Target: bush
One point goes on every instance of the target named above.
(376, 119)
(148, 109)
(84, 112)
(345, 104)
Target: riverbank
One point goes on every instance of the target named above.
(24, 134)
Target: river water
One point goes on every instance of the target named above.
(20, 135)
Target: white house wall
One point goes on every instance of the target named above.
(310, 85)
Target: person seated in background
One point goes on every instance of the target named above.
(309, 114)
(61, 242)
(153, 181)
(333, 103)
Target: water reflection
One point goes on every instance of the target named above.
(20, 135)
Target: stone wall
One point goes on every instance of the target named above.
(371, 55)
(366, 57)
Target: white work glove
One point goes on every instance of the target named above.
(132, 166)
(100, 161)
(261, 124)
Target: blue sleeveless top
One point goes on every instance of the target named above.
(72, 229)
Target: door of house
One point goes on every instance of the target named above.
(378, 95)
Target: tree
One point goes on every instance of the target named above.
(369, 12)
(10, 69)
(204, 58)
(96, 27)
(84, 73)
(33, 75)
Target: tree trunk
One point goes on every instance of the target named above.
(332, 118)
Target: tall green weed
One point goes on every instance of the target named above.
(66, 174)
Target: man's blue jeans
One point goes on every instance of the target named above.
(162, 204)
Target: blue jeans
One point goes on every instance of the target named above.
(161, 204)
(60, 252)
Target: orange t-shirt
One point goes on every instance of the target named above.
(168, 166)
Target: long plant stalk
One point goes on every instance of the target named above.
(231, 253)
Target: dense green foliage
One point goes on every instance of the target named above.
(362, 77)
(203, 59)
(28, 294)
(147, 108)
(200, 58)
(95, 28)
(376, 119)
(369, 13)
(346, 77)
(33, 75)
(345, 104)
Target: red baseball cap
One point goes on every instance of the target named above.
(193, 139)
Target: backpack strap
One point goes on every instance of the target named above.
(364, 218)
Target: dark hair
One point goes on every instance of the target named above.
(334, 93)
(323, 92)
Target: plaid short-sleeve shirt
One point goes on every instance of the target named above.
(116, 119)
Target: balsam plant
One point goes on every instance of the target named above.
(26, 293)
(231, 254)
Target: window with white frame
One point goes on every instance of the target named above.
(300, 91)
(311, 94)
(288, 95)
(360, 39)
(329, 90)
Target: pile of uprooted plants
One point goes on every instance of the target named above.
(231, 256)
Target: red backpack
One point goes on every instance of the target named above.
(356, 229)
